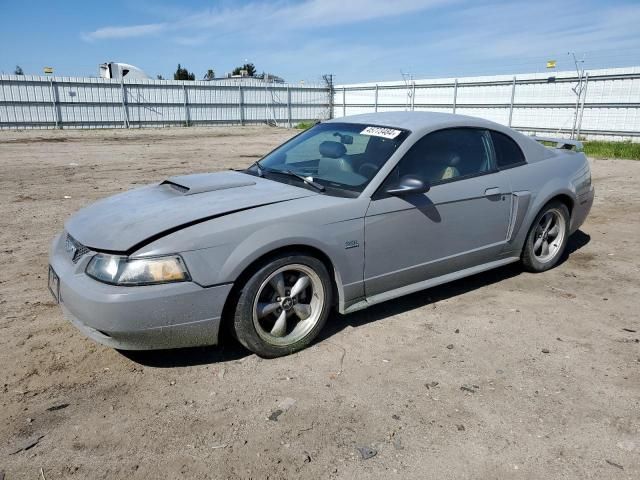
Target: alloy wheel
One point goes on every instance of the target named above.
(288, 304)
(549, 236)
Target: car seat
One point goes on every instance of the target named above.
(451, 170)
(437, 166)
(332, 161)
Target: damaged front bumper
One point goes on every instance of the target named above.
(146, 317)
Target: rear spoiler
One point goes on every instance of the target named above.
(561, 142)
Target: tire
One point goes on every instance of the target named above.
(535, 257)
(278, 312)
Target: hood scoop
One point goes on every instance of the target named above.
(206, 182)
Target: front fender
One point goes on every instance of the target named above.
(218, 251)
(225, 263)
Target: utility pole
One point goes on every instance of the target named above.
(328, 80)
(411, 89)
(578, 89)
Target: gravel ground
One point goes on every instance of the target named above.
(449, 383)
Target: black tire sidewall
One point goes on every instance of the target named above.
(243, 325)
(529, 260)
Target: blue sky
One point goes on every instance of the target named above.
(356, 40)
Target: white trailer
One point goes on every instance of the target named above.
(118, 71)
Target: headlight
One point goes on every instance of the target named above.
(117, 270)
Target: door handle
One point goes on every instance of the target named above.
(492, 191)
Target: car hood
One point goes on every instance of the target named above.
(127, 221)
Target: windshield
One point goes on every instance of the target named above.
(342, 157)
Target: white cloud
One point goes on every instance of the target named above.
(518, 36)
(281, 15)
(297, 38)
(125, 32)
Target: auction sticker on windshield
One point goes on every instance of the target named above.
(381, 132)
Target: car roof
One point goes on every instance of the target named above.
(415, 121)
(420, 123)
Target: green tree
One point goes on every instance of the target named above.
(210, 75)
(249, 67)
(183, 74)
(159, 77)
(18, 70)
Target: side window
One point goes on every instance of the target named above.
(508, 153)
(446, 155)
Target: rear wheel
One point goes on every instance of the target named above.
(547, 238)
(283, 305)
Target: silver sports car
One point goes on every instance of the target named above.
(352, 212)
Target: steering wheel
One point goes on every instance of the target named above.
(368, 170)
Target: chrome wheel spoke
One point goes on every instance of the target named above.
(537, 244)
(280, 327)
(265, 309)
(545, 248)
(300, 285)
(302, 310)
(277, 283)
(547, 223)
(553, 231)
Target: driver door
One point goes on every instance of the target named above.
(461, 222)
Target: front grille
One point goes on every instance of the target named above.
(74, 248)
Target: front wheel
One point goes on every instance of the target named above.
(283, 305)
(547, 238)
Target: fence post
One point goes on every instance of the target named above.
(376, 99)
(241, 103)
(288, 106)
(578, 91)
(266, 104)
(331, 101)
(187, 120)
(513, 94)
(455, 95)
(125, 112)
(56, 106)
(584, 99)
(344, 101)
(413, 96)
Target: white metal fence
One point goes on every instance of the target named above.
(68, 102)
(609, 106)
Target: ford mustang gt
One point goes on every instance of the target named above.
(352, 212)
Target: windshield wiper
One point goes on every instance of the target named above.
(259, 167)
(306, 180)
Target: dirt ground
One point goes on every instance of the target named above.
(448, 383)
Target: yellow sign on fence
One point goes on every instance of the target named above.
(551, 64)
(48, 70)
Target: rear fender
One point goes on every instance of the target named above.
(536, 201)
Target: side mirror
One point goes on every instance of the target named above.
(409, 184)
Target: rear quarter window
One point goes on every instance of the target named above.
(508, 153)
